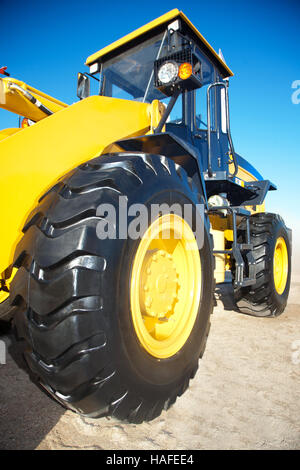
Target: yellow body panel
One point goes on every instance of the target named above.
(15, 102)
(244, 174)
(247, 176)
(35, 157)
(166, 18)
(219, 244)
(8, 132)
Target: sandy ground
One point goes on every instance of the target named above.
(246, 395)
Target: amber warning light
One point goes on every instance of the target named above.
(185, 71)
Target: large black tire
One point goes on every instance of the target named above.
(262, 299)
(72, 293)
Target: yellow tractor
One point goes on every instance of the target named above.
(121, 212)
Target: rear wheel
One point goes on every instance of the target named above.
(113, 326)
(272, 253)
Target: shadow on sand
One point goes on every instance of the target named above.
(224, 294)
(27, 414)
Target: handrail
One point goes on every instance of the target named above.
(225, 86)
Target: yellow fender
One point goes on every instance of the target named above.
(35, 157)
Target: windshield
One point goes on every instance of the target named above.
(131, 75)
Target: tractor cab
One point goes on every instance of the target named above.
(170, 61)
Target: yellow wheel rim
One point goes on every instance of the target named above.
(165, 286)
(280, 265)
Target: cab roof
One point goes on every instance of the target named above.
(153, 28)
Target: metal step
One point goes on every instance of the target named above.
(238, 248)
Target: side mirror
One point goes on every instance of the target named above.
(83, 86)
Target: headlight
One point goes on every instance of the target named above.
(168, 72)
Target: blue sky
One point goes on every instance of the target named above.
(46, 44)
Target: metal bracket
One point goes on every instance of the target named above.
(238, 248)
(260, 189)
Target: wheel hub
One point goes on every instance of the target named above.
(280, 265)
(165, 286)
(160, 285)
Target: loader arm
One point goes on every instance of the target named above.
(12, 99)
